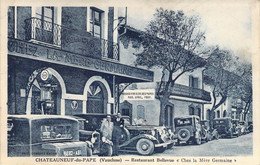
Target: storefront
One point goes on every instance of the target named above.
(64, 71)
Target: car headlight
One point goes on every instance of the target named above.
(153, 132)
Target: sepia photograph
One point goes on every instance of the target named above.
(130, 82)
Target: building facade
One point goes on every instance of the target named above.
(66, 60)
(188, 96)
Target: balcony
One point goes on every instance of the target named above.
(72, 40)
(190, 92)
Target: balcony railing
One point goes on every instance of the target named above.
(43, 31)
(53, 34)
(186, 91)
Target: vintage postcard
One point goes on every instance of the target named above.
(129, 82)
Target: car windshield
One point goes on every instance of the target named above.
(183, 122)
(58, 131)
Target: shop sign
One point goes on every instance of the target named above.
(38, 52)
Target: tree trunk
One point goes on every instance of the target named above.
(163, 104)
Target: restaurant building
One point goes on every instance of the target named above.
(188, 96)
(66, 60)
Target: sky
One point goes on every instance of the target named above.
(226, 23)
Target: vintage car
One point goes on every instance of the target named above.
(45, 135)
(147, 139)
(188, 129)
(236, 127)
(244, 127)
(207, 132)
(224, 127)
(143, 139)
(90, 131)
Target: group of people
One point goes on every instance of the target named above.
(112, 130)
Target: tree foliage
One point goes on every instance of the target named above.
(172, 42)
(223, 73)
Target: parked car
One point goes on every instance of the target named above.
(188, 129)
(224, 127)
(90, 131)
(210, 134)
(243, 126)
(45, 135)
(145, 139)
(236, 127)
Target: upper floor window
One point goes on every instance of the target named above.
(96, 22)
(193, 82)
(45, 13)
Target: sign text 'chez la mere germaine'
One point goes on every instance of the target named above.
(38, 52)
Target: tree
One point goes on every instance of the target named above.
(244, 89)
(223, 73)
(172, 42)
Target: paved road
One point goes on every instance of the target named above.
(240, 146)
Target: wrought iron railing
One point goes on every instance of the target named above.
(43, 31)
(186, 91)
(110, 50)
(47, 32)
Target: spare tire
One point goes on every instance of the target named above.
(184, 134)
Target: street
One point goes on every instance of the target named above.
(240, 146)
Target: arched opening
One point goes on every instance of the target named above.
(97, 98)
(45, 96)
(218, 114)
(225, 113)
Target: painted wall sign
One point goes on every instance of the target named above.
(74, 104)
(38, 52)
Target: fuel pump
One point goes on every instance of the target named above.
(47, 104)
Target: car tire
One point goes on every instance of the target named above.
(183, 134)
(145, 147)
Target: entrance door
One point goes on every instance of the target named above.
(169, 116)
(95, 101)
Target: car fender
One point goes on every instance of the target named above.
(146, 136)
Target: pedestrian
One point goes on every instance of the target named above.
(106, 128)
(117, 131)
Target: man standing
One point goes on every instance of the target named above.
(117, 130)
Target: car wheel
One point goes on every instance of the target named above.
(198, 140)
(145, 146)
(89, 151)
(184, 134)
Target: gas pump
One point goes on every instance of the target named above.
(47, 104)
